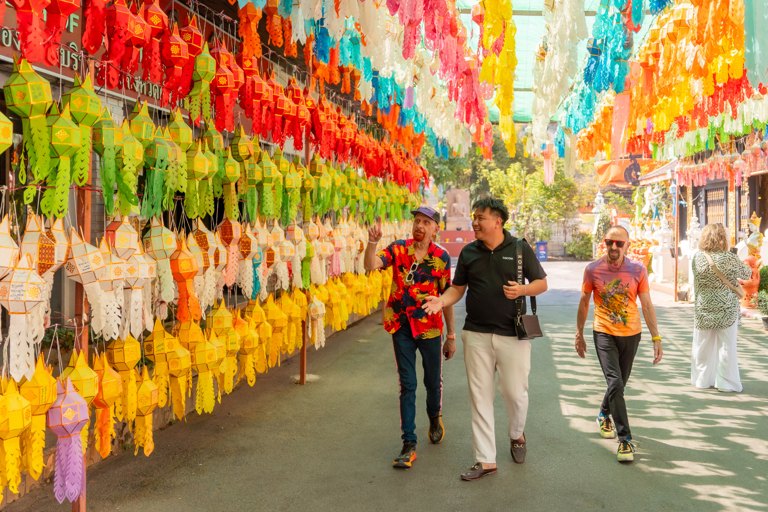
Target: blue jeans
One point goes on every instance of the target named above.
(431, 359)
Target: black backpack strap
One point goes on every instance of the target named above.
(521, 280)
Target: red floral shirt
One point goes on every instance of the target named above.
(431, 277)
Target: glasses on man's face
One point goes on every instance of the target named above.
(619, 243)
(409, 276)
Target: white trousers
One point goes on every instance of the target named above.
(714, 361)
(484, 355)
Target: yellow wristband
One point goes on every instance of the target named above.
(656, 338)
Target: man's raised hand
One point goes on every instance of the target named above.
(374, 232)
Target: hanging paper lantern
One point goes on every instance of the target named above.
(57, 14)
(199, 98)
(66, 418)
(29, 21)
(86, 266)
(204, 361)
(190, 34)
(279, 321)
(21, 291)
(40, 392)
(214, 152)
(160, 243)
(129, 158)
(184, 268)
(110, 389)
(107, 139)
(206, 241)
(65, 140)
(85, 381)
(229, 178)
(179, 363)
(274, 23)
(146, 400)
(175, 54)
(248, 247)
(95, 14)
(248, 28)
(29, 96)
(197, 170)
(84, 107)
(249, 342)
(123, 354)
(223, 327)
(262, 99)
(110, 301)
(230, 232)
(224, 89)
(138, 275)
(220, 258)
(157, 24)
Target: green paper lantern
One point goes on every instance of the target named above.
(231, 169)
(142, 127)
(197, 169)
(64, 138)
(107, 140)
(199, 98)
(84, 105)
(29, 96)
(180, 132)
(6, 133)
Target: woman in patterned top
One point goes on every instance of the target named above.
(714, 361)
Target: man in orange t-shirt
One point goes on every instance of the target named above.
(616, 282)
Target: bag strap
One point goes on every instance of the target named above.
(719, 274)
(521, 278)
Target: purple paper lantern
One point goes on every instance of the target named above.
(66, 418)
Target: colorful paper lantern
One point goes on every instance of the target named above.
(110, 390)
(146, 402)
(123, 354)
(184, 268)
(66, 418)
(40, 392)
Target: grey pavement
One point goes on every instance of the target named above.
(329, 445)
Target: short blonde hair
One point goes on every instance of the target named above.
(714, 238)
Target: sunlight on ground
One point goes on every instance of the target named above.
(698, 437)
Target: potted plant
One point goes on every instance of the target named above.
(762, 296)
(762, 306)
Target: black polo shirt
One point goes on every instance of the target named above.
(486, 272)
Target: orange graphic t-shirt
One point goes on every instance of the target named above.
(615, 294)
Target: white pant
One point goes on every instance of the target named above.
(484, 354)
(714, 360)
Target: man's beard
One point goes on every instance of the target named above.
(419, 236)
(614, 261)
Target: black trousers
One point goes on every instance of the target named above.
(616, 355)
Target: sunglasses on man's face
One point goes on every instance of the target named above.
(619, 243)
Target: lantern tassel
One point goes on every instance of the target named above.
(160, 378)
(104, 430)
(22, 349)
(179, 395)
(33, 442)
(205, 400)
(245, 277)
(143, 436)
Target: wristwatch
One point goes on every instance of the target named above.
(450, 336)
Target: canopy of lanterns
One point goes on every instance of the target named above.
(687, 89)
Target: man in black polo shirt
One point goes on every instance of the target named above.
(488, 267)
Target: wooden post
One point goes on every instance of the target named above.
(677, 232)
(81, 300)
(305, 321)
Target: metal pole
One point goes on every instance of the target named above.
(677, 231)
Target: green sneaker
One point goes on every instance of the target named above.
(626, 451)
(606, 427)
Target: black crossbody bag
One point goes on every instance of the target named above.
(527, 326)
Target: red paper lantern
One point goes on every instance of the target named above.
(95, 25)
(157, 25)
(249, 65)
(118, 33)
(262, 98)
(29, 21)
(249, 30)
(58, 12)
(191, 35)
(175, 55)
(223, 86)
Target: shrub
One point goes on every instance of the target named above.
(580, 246)
(762, 302)
(763, 279)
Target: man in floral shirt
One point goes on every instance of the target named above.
(421, 269)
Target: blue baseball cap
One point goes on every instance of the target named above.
(429, 212)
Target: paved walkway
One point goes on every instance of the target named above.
(330, 445)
